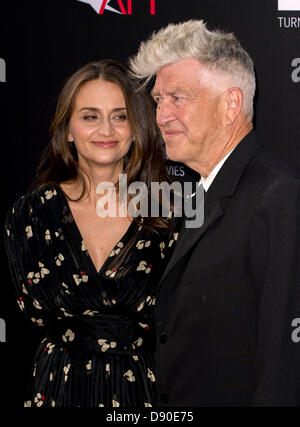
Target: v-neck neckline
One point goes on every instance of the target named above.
(77, 230)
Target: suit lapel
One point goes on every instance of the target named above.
(189, 236)
(224, 185)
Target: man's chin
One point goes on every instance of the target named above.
(174, 155)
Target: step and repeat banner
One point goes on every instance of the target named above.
(43, 42)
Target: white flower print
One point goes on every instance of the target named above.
(36, 304)
(129, 376)
(39, 399)
(51, 376)
(66, 371)
(59, 234)
(47, 235)
(66, 288)
(115, 403)
(107, 370)
(151, 375)
(52, 403)
(162, 247)
(111, 273)
(144, 325)
(49, 347)
(34, 370)
(175, 235)
(105, 345)
(78, 279)
(101, 405)
(65, 312)
(44, 270)
(90, 312)
(89, 366)
(83, 247)
(58, 259)
(50, 193)
(27, 404)
(42, 200)
(141, 306)
(35, 277)
(143, 243)
(117, 249)
(21, 303)
(137, 343)
(144, 266)
(141, 222)
(8, 231)
(38, 321)
(148, 405)
(24, 290)
(28, 230)
(135, 357)
(68, 336)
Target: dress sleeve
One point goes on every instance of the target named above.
(21, 242)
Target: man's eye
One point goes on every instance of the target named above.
(176, 98)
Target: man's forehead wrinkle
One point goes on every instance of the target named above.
(176, 88)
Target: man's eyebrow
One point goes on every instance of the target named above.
(172, 92)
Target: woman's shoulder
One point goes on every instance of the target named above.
(33, 202)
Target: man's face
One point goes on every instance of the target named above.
(188, 114)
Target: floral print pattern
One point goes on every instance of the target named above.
(93, 355)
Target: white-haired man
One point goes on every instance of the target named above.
(229, 301)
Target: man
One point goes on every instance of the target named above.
(229, 301)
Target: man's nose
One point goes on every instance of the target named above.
(164, 113)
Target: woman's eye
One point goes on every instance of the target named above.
(89, 117)
(157, 99)
(120, 117)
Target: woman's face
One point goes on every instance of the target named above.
(99, 124)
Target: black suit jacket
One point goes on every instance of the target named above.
(231, 291)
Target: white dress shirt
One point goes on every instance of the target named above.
(206, 182)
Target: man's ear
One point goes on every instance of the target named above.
(233, 104)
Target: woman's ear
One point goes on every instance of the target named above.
(70, 137)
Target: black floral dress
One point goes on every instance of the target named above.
(99, 336)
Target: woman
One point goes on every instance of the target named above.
(88, 280)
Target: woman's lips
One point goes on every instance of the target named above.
(105, 144)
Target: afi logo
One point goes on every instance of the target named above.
(2, 70)
(100, 5)
(288, 4)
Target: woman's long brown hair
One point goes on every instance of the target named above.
(145, 160)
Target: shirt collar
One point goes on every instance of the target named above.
(206, 182)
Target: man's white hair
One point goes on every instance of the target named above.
(215, 50)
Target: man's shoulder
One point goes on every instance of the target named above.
(267, 168)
